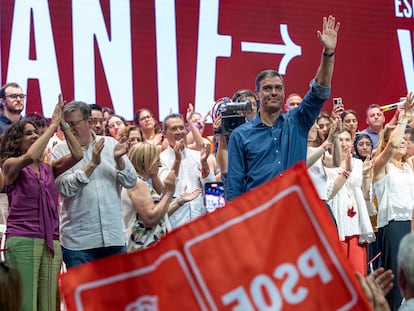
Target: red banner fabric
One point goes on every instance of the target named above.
(274, 248)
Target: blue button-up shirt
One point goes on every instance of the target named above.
(258, 152)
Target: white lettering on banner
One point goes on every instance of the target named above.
(210, 46)
(403, 8)
(406, 50)
(144, 303)
(114, 47)
(289, 271)
(240, 296)
(309, 264)
(44, 67)
(289, 49)
(167, 70)
(397, 4)
(263, 284)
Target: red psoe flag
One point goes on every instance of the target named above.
(272, 248)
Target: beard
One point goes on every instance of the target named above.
(13, 110)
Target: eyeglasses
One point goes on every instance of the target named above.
(16, 96)
(145, 118)
(75, 123)
(97, 120)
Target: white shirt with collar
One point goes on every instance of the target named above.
(408, 305)
(91, 214)
(189, 176)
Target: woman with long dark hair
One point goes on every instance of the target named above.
(32, 233)
(363, 146)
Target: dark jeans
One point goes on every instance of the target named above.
(76, 258)
(389, 238)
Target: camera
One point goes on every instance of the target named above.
(230, 114)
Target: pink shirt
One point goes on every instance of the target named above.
(33, 205)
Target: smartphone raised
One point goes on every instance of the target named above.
(214, 195)
(337, 101)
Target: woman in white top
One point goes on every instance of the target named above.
(319, 156)
(393, 184)
(347, 190)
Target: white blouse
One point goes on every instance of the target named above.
(395, 194)
(348, 205)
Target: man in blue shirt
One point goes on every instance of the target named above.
(272, 142)
(12, 100)
(375, 120)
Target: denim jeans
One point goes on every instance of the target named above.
(75, 258)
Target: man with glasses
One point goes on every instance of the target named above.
(91, 220)
(97, 118)
(12, 99)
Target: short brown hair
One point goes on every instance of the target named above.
(4, 87)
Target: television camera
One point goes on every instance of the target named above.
(231, 114)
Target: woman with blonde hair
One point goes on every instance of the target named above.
(393, 184)
(146, 211)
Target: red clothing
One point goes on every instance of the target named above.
(356, 254)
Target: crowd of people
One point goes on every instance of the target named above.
(88, 184)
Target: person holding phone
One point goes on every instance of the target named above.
(337, 108)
